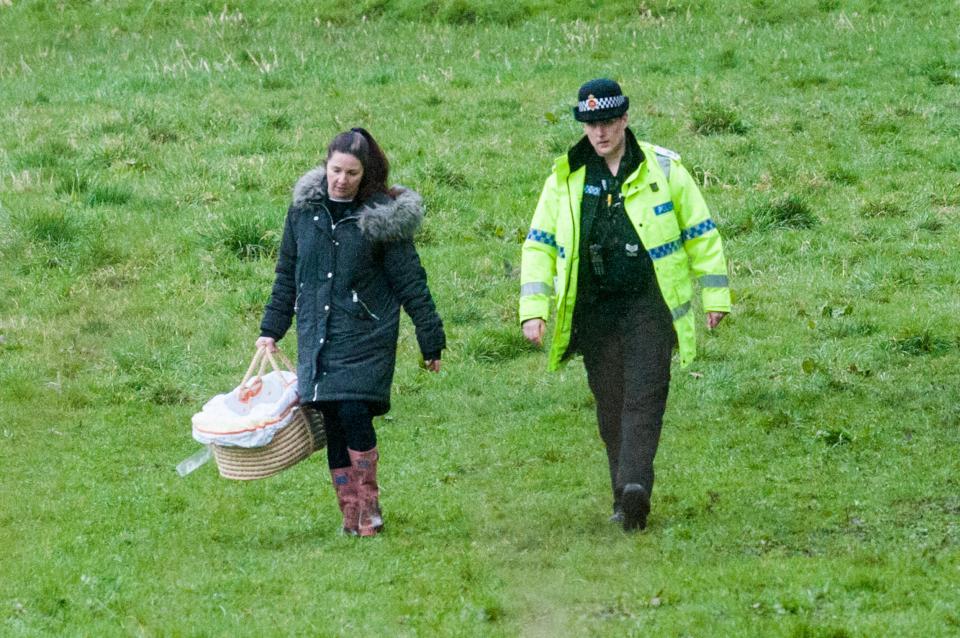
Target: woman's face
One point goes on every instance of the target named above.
(344, 172)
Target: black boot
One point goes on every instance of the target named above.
(636, 506)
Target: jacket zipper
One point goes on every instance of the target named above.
(345, 219)
(574, 247)
(333, 227)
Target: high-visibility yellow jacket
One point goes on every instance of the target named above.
(673, 222)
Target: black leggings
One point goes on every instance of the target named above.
(349, 424)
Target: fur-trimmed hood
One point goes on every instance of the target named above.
(382, 218)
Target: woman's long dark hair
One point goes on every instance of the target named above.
(376, 169)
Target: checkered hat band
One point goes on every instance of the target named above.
(601, 103)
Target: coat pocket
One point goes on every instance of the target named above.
(296, 302)
(363, 310)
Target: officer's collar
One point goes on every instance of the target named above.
(582, 151)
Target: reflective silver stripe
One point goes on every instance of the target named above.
(714, 281)
(680, 310)
(664, 163)
(535, 288)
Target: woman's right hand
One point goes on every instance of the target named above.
(267, 342)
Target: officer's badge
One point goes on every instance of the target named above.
(632, 249)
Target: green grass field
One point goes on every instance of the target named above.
(808, 473)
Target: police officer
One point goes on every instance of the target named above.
(620, 235)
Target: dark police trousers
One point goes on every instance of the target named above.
(627, 346)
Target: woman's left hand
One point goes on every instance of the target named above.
(433, 365)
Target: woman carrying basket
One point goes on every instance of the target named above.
(347, 264)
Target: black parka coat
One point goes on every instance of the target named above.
(346, 283)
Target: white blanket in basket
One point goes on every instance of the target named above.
(251, 414)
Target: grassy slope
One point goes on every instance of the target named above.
(807, 479)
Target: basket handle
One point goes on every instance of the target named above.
(261, 357)
(283, 359)
(257, 359)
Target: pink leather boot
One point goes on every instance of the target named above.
(348, 498)
(365, 473)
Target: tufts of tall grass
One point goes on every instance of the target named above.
(496, 345)
(712, 118)
(51, 227)
(245, 234)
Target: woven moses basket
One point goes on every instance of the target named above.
(304, 436)
(301, 437)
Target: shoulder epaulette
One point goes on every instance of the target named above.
(664, 155)
(659, 150)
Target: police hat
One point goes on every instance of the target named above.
(600, 99)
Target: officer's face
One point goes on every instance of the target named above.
(607, 136)
(344, 172)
